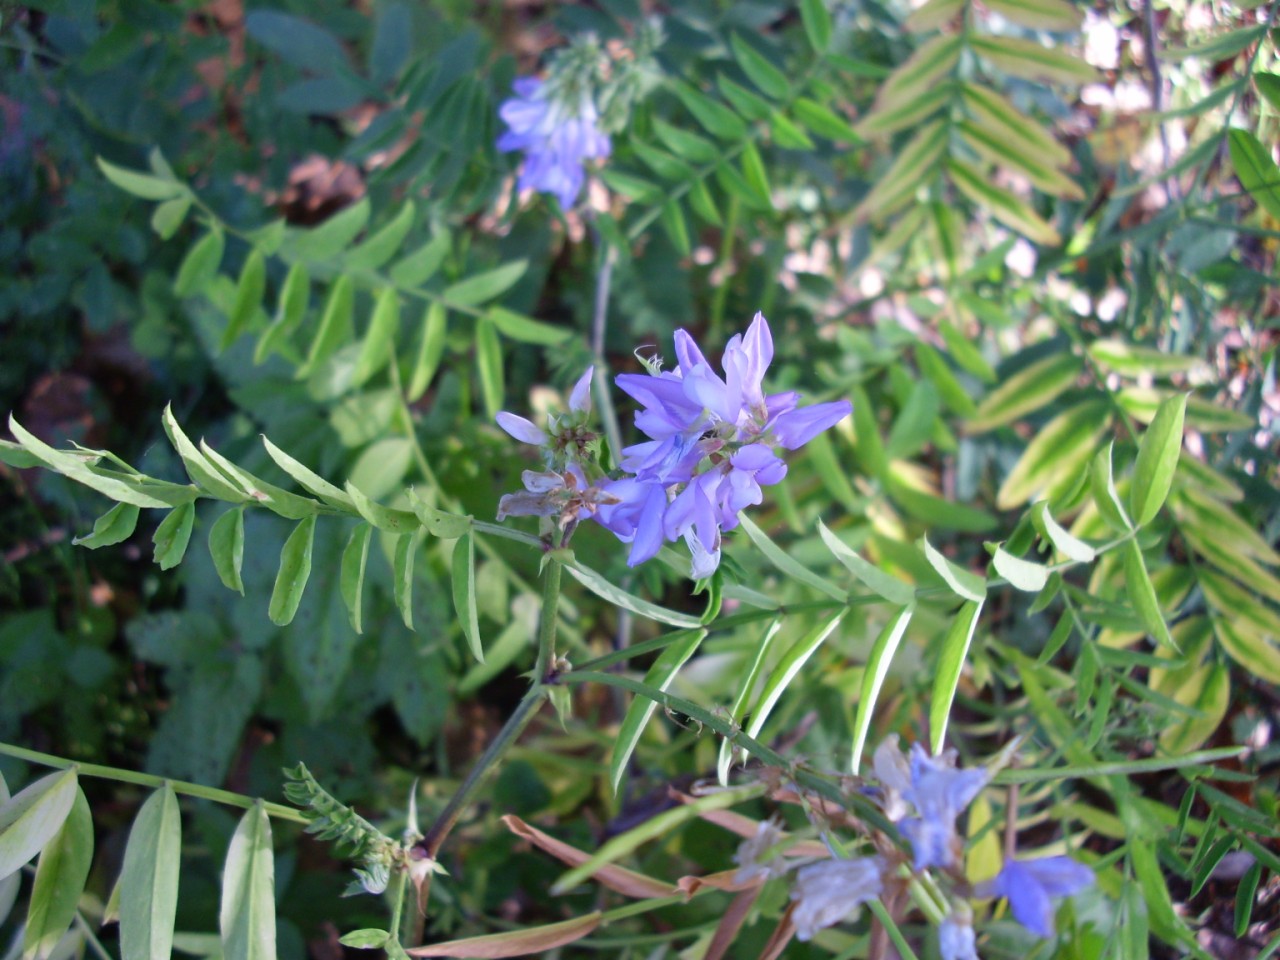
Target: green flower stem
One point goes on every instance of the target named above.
(397, 901)
(546, 661)
(277, 810)
(899, 941)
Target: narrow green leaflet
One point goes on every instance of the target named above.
(335, 324)
(334, 235)
(31, 819)
(786, 670)
(964, 583)
(382, 246)
(900, 115)
(867, 442)
(1056, 15)
(884, 584)
(250, 289)
(933, 14)
(200, 265)
(1157, 460)
(247, 919)
(226, 547)
(517, 326)
(817, 24)
(489, 365)
(295, 569)
(1009, 209)
(142, 185)
(375, 348)
(746, 688)
(877, 669)
(384, 518)
(406, 550)
(173, 534)
(541, 941)
(1056, 456)
(1255, 169)
(824, 121)
(1032, 60)
(1143, 595)
(677, 227)
(149, 879)
(1070, 546)
(60, 878)
(485, 286)
(786, 564)
(955, 648)
(1103, 485)
(615, 595)
(280, 502)
(464, 593)
(770, 81)
(715, 117)
(419, 266)
(1025, 575)
(435, 328)
(168, 217)
(310, 481)
(915, 166)
(660, 676)
(114, 526)
(202, 473)
(351, 575)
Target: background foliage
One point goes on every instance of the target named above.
(1033, 242)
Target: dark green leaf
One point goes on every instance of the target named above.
(295, 569)
(173, 535)
(226, 546)
(464, 593)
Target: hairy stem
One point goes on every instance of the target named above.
(276, 810)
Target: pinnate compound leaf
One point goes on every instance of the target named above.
(114, 526)
(873, 677)
(202, 473)
(226, 546)
(247, 918)
(173, 534)
(514, 943)
(659, 677)
(464, 593)
(59, 883)
(149, 879)
(29, 820)
(884, 584)
(1157, 460)
(295, 570)
(955, 648)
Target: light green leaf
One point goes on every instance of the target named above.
(677, 228)
(771, 81)
(916, 166)
(375, 349)
(351, 575)
(955, 648)
(31, 819)
(384, 518)
(280, 502)
(756, 176)
(334, 235)
(199, 469)
(1268, 85)
(1143, 595)
(1025, 575)
(114, 526)
(169, 216)
(247, 919)
(526, 329)
(418, 267)
(291, 307)
(149, 879)
(485, 286)
(686, 144)
(1057, 454)
(1137, 361)
(715, 117)
(59, 884)
(295, 569)
(1103, 485)
(406, 550)
(932, 15)
(464, 593)
(964, 583)
(786, 670)
(1032, 60)
(141, 184)
(312, 482)
(438, 523)
(382, 246)
(489, 366)
(226, 546)
(1011, 156)
(913, 427)
(1056, 15)
(884, 584)
(250, 289)
(1157, 460)
(786, 563)
(200, 265)
(1005, 122)
(906, 113)
(817, 24)
(430, 349)
(1003, 205)
(367, 939)
(873, 677)
(660, 676)
(173, 534)
(823, 121)
(335, 324)
(615, 595)
(746, 688)
(1068, 545)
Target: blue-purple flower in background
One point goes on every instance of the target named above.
(1030, 885)
(557, 135)
(939, 791)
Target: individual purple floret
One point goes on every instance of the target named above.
(939, 792)
(828, 891)
(1030, 885)
(956, 940)
(555, 136)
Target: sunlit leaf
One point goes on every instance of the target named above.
(32, 818)
(955, 649)
(247, 919)
(149, 879)
(59, 881)
(878, 661)
(1157, 460)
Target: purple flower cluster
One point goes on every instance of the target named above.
(556, 136)
(711, 448)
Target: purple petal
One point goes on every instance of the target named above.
(521, 429)
(1060, 876)
(797, 427)
(1028, 900)
(580, 398)
(956, 941)
(688, 355)
(648, 539)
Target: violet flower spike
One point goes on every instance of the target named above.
(1030, 885)
(939, 792)
(555, 137)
